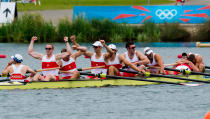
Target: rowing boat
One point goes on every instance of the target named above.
(91, 83)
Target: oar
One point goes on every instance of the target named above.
(165, 76)
(83, 69)
(3, 56)
(187, 71)
(48, 69)
(132, 78)
(207, 67)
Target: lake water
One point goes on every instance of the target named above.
(123, 102)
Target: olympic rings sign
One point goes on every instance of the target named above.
(166, 14)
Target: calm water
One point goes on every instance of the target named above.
(127, 102)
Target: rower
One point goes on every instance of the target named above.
(115, 62)
(68, 63)
(98, 58)
(156, 64)
(17, 70)
(134, 57)
(49, 60)
(183, 64)
(198, 61)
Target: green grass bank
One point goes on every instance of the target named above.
(69, 4)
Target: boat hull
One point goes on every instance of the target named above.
(91, 83)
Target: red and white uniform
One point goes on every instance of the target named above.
(49, 63)
(115, 63)
(154, 63)
(182, 67)
(98, 62)
(133, 60)
(68, 66)
(16, 75)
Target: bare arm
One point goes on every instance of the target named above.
(31, 71)
(72, 38)
(194, 68)
(87, 53)
(77, 54)
(64, 54)
(160, 63)
(126, 62)
(31, 49)
(143, 58)
(7, 68)
(108, 49)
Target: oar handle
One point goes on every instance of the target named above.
(48, 69)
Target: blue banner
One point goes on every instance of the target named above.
(187, 14)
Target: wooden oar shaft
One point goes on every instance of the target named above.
(131, 78)
(48, 69)
(89, 68)
(166, 76)
(192, 72)
(83, 69)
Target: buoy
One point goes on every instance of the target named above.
(207, 116)
(3, 56)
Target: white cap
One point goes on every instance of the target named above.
(97, 43)
(112, 46)
(147, 50)
(18, 58)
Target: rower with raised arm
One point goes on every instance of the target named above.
(49, 60)
(156, 64)
(115, 61)
(98, 58)
(134, 57)
(18, 70)
(68, 63)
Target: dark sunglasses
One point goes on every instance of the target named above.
(48, 48)
(95, 46)
(132, 47)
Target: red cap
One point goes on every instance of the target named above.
(179, 56)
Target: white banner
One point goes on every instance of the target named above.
(7, 12)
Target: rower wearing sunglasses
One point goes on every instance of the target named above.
(134, 57)
(49, 60)
(98, 58)
(115, 62)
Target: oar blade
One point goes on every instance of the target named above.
(193, 84)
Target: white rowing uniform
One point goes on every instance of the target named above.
(133, 60)
(16, 75)
(49, 63)
(115, 62)
(68, 66)
(98, 62)
(154, 63)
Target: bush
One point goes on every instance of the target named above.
(174, 33)
(203, 33)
